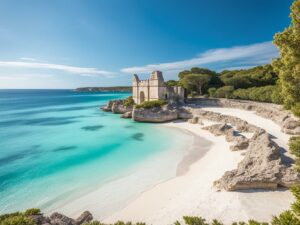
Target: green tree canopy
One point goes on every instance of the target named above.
(253, 77)
(195, 82)
(172, 83)
(288, 65)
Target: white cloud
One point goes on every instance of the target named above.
(84, 71)
(28, 59)
(255, 54)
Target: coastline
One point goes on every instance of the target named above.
(106, 199)
(193, 193)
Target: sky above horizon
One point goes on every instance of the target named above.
(75, 43)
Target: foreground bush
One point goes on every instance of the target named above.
(151, 104)
(19, 218)
(294, 146)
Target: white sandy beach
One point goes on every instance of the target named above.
(193, 194)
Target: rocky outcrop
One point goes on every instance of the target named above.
(231, 135)
(60, 219)
(108, 106)
(261, 167)
(289, 123)
(85, 217)
(240, 124)
(155, 115)
(117, 106)
(127, 115)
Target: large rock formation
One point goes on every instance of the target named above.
(239, 141)
(60, 219)
(155, 115)
(261, 167)
(117, 106)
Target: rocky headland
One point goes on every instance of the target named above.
(105, 89)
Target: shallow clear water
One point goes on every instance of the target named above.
(57, 146)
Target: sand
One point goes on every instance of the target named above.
(192, 192)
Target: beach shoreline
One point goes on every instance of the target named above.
(193, 193)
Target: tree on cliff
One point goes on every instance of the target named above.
(288, 65)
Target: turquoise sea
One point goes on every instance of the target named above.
(56, 147)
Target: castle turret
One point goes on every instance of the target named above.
(157, 75)
(135, 79)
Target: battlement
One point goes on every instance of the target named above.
(155, 75)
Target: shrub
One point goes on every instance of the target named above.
(296, 109)
(277, 95)
(129, 101)
(212, 92)
(224, 92)
(296, 205)
(151, 104)
(294, 147)
(191, 220)
(17, 220)
(5, 216)
(95, 222)
(32, 211)
(285, 218)
(216, 222)
(261, 94)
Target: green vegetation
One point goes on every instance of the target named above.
(255, 77)
(151, 104)
(261, 94)
(294, 147)
(172, 83)
(288, 65)
(19, 218)
(222, 92)
(117, 223)
(129, 101)
(289, 217)
(198, 80)
(257, 83)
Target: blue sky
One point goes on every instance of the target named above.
(74, 43)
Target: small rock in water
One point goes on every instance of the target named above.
(138, 136)
(92, 128)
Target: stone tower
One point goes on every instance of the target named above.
(154, 89)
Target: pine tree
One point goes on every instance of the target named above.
(288, 65)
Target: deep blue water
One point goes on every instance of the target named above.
(57, 146)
